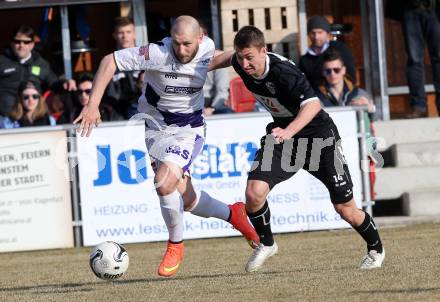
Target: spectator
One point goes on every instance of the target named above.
(318, 29)
(85, 81)
(59, 102)
(338, 90)
(124, 90)
(421, 25)
(216, 88)
(20, 62)
(31, 109)
(10, 120)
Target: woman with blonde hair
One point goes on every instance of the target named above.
(31, 109)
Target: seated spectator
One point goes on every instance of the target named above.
(338, 90)
(84, 83)
(318, 29)
(216, 87)
(59, 102)
(31, 109)
(216, 92)
(10, 120)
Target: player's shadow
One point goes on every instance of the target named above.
(51, 288)
(91, 286)
(397, 291)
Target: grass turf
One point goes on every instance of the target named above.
(316, 266)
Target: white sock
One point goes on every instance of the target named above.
(172, 212)
(208, 206)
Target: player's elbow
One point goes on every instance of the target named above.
(108, 62)
(313, 106)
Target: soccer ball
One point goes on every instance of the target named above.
(109, 260)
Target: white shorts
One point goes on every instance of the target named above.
(179, 145)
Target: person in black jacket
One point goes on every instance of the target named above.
(124, 90)
(19, 63)
(318, 29)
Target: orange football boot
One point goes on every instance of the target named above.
(172, 259)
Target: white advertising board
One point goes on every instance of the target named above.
(35, 204)
(119, 203)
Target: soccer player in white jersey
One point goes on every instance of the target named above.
(172, 102)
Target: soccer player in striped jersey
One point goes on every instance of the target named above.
(171, 104)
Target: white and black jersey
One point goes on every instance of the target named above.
(282, 90)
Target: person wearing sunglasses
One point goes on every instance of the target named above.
(337, 89)
(30, 108)
(21, 62)
(85, 81)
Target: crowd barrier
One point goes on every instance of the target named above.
(61, 190)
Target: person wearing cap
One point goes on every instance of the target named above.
(310, 63)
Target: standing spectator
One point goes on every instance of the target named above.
(20, 62)
(124, 90)
(318, 30)
(216, 87)
(31, 109)
(421, 25)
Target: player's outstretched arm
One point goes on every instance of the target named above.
(222, 59)
(90, 115)
(305, 116)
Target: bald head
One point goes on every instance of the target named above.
(185, 25)
(186, 36)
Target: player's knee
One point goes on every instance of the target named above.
(347, 212)
(164, 186)
(255, 195)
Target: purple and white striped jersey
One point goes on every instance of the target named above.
(172, 92)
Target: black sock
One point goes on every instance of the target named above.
(261, 222)
(369, 232)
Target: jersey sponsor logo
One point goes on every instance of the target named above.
(182, 90)
(273, 106)
(144, 52)
(206, 62)
(271, 87)
(171, 76)
(178, 151)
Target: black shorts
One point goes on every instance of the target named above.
(318, 154)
